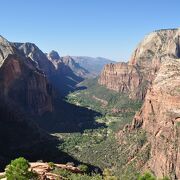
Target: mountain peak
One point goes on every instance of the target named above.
(3, 40)
(54, 55)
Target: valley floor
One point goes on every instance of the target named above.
(100, 147)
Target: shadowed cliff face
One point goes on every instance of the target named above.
(20, 136)
(62, 75)
(137, 75)
(160, 117)
(25, 86)
(25, 92)
(22, 82)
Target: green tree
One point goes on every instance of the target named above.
(18, 169)
(146, 176)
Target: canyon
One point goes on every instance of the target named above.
(135, 76)
(35, 87)
(152, 74)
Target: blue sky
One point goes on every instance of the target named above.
(107, 28)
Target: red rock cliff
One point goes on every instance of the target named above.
(25, 86)
(135, 77)
(160, 117)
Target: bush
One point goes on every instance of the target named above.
(146, 176)
(51, 165)
(85, 177)
(107, 174)
(62, 172)
(83, 168)
(18, 169)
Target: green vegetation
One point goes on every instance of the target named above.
(2, 176)
(117, 109)
(149, 176)
(178, 124)
(107, 174)
(146, 176)
(92, 96)
(73, 176)
(100, 147)
(18, 169)
(84, 168)
(51, 165)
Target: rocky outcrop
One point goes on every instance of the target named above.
(35, 55)
(22, 82)
(44, 170)
(53, 56)
(160, 117)
(137, 75)
(123, 78)
(5, 49)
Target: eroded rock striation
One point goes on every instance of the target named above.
(160, 117)
(137, 75)
(153, 74)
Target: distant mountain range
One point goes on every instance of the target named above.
(93, 65)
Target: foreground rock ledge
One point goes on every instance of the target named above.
(44, 170)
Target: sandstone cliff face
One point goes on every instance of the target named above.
(136, 76)
(160, 117)
(123, 78)
(22, 82)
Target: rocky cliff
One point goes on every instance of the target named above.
(123, 78)
(66, 74)
(160, 117)
(63, 75)
(22, 82)
(135, 76)
(31, 51)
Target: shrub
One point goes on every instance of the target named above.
(51, 165)
(62, 172)
(107, 174)
(83, 168)
(146, 176)
(85, 177)
(18, 169)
